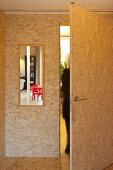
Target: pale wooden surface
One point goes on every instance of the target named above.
(2, 82)
(109, 168)
(92, 78)
(31, 130)
(18, 163)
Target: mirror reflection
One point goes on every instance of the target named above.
(31, 75)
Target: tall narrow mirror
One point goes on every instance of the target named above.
(31, 75)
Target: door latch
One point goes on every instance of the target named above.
(77, 99)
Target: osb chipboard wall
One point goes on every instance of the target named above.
(32, 130)
(92, 78)
(2, 81)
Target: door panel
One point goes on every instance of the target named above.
(92, 80)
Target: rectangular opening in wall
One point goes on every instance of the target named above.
(64, 84)
(31, 75)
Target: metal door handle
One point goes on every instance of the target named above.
(77, 99)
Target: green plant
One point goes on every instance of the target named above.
(61, 69)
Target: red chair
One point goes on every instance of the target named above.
(33, 86)
(36, 91)
(40, 92)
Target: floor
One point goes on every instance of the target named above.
(33, 164)
(30, 164)
(65, 158)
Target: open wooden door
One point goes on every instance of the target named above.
(92, 89)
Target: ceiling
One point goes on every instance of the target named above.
(16, 6)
